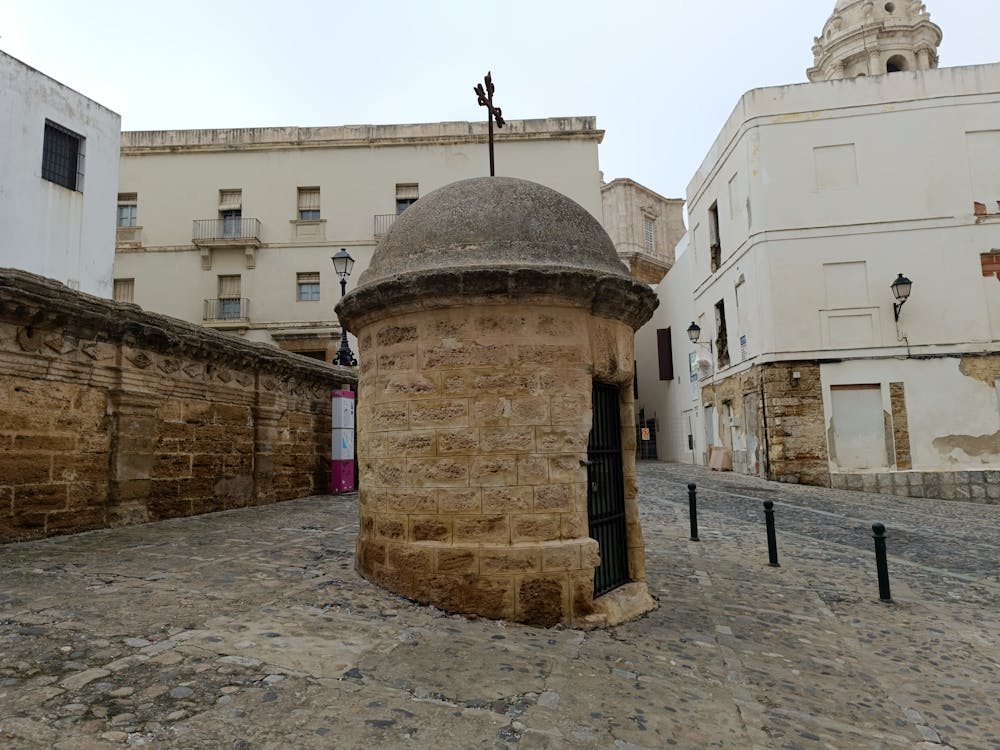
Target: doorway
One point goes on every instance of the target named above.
(606, 490)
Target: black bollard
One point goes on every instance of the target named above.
(693, 510)
(878, 533)
(772, 540)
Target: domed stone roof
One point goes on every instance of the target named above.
(494, 222)
(496, 239)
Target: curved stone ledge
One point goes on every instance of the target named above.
(605, 296)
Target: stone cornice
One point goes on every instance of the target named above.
(627, 181)
(606, 296)
(134, 143)
(37, 302)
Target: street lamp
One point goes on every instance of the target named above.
(694, 332)
(342, 264)
(901, 291)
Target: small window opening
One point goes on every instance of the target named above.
(308, 204)
(714, 241)
(406, 195)
(62, 156)
(665, 353)
(895, 64)
(127, 209)
(721, 337)
(307, 287)
(124, 290)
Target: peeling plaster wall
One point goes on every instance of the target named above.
(952, 409)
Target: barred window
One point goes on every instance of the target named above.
(647, 233)
(308, 203)
(308, 287)
(62, 156)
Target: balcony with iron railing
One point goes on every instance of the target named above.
(382, 223)
(226, 312)
(226, 232)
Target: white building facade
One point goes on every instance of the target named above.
(58, 180)
(235, 228)
(812, 202)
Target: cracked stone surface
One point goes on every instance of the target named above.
(249, 629)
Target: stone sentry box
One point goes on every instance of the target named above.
(489, 311)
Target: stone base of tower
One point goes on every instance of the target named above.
(538, 584)
(541, 585)
(495, 314)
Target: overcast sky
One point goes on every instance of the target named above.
(661, 76)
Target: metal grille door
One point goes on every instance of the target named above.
(606, 490)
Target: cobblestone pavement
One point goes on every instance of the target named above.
(250, 629)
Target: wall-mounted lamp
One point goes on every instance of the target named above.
(694, 332)
(343, 264)
(901, 291)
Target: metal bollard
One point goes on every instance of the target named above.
(881, 565)
(693, 510)
(772, 540)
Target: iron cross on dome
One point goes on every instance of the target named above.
(494, 113)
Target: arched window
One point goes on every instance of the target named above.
(895, 64)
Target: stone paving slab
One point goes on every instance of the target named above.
(250, 629)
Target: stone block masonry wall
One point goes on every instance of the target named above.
(968, 486)
(795, 441)
(795, 423)
(472, 425)
(110, 415)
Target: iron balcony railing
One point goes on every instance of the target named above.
(215, 230)
(227, 308)
(383, 222)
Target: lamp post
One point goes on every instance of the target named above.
(342, 264)
(901, 291)
(694, 332)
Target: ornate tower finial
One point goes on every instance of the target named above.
(866, 38)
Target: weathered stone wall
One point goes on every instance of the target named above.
(794, 446)
(110, 415)
(796, 427)
(472, 425)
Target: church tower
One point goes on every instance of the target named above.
(865, 38)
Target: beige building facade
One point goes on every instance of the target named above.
(234, 229)
(644, 226)
(812, 202)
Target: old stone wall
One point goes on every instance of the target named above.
(796, 432)
(789, 431)
(110, 415)
(473, 422)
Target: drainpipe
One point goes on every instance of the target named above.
(767, 440)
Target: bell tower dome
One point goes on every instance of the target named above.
(866, 38)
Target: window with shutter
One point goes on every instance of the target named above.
(124, 290)
(665, 353)
(406, 195)
(308, 203)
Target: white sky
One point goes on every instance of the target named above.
(661, 76)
